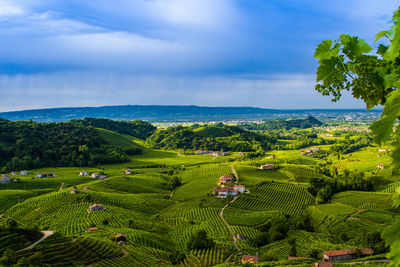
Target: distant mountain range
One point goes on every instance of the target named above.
(156, 113)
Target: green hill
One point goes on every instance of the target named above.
(211, 131)
(122, 142)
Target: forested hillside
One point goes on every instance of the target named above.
(136, 128)
(27, 145)
(223, 137)
(308, 122)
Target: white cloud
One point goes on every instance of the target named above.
(96, 89)
(9, 9)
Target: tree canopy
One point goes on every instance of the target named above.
(349, 63)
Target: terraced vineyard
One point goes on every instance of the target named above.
(286, 198)
(159, 220)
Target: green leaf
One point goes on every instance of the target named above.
(324, 50)
(383, 128)
(354, 47)
(379, 35)
(327, 69)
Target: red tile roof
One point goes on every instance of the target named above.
(248, 258)
(333, 253)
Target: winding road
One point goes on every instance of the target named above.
(221, 214)
(46, 234)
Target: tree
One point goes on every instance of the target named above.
(11, 222)
(346, 64)
(200, 240)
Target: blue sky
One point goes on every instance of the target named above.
(185, 52)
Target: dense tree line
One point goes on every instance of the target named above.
(351, 145)
(324, 189)
(186, 138)
(136, 128)
(28, 144)
(308, 122)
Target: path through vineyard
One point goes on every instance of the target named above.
(46, 234)
(221, 214)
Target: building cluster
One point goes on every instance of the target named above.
(93, 175)
(309, 151)
(45, 175)
(6, 179)
(212, 153)
(96, 207)
(24, 172)
(268, 167)
(347, 254)
(227, 188)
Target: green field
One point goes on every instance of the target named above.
(159, 222)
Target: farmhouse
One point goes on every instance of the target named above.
(24, 172)
(95, 175)
(267, 167)
(213, 153)
(74, 191)
(249, 259)
(271, 157)
(95, 207)
(92, 229)
(381, 166)
(240, 188)
(14, 173)
(128, 171)
(5, 178)
(225, 179)
(45, 174)
(85, 188)
(346, 254)
(83, 173)
(223, 192)
(382, 150)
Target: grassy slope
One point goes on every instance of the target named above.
(119, 140)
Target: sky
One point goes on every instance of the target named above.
(259, 53)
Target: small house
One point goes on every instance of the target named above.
(346, 254)
(267, 167)
(24, 172)
(83, 173)
(250, 259)
(96, 207)
(271, 157)
(225, 179)
(45, 175)
(381, 166)
(382, 150)
(240, 188)
(323, 264)
(74, 191)
(314, 149)
(14, 173)
(85, 188)
(102, 178)
(223, 192)
(5, 178)
(128, 171)
(91, 229)
(95, 175)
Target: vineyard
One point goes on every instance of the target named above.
(159, 220)
(286, 198)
